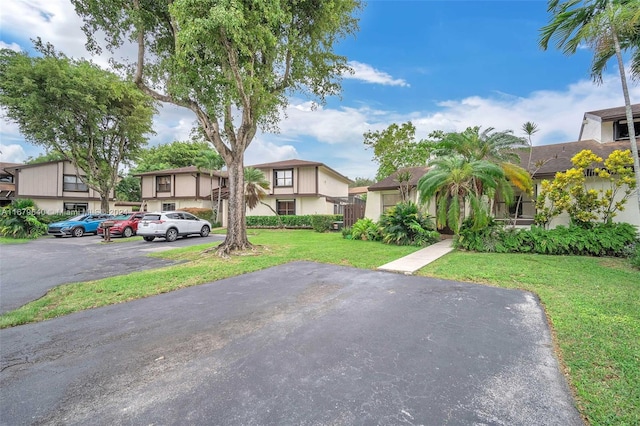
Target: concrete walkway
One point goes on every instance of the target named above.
(411, 263)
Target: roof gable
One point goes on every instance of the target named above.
(391, 181)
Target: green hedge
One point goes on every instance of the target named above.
(291, 221)
(614, 239)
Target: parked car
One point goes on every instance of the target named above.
(126, 225)
(171, 225)
(79, 225)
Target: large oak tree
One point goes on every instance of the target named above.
(232, 62)
(76, 111)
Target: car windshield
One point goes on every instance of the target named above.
(122, 217)
(78, 218)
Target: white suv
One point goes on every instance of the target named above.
(171, 225)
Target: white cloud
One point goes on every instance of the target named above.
(367, 73)
(55, 22)
(172, 123)
(262, 151)
(12, 153)
(13, 46)
(558, 114)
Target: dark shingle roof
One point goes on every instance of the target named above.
(546, 160)
(391, 181)
(617, 113)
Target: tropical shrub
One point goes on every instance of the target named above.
(366, 229)
(602, 239)
(568, 191)
(20, 220)
(635, 258)
(405, 224)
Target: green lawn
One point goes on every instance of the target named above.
(6, 240)
(594, 307)
(592, 303)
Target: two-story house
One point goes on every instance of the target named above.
(299, 187)
(55, 187)
(184, 187)
(601, 131)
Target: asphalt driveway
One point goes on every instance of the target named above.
(29, 270)
(299, 344)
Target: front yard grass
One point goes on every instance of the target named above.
(593, 304)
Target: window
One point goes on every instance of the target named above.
(73, 183)
(621, 130)
(163, 183)
(6, 178)
(283, 177)
(76, 208)
(389, 200)
(286, 207)
(168, 206)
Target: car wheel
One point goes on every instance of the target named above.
(149, 238)
(78, 232)
(172, 234)
(204, 231)
(128, 232)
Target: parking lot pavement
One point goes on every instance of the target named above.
(28, 271)
(297, 344)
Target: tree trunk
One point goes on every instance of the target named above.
(236, 227)
(219, 200)
(104, 202)
(629, 113)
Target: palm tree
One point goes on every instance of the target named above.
(498, 148)
(211, 161)
(529, 128)
(455, 181)
(256, 187)
(608, 27)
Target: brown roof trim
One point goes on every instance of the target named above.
(297, 163)
(390, 182)
(183, 170)
(616, 113)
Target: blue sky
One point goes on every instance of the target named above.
(444, 65)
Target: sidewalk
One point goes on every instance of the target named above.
(409, 264)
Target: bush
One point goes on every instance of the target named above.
(366, 229)
(322, 222)
(635, 258)
(58, 217)
(20, 220)
(202, 213)
(604, 239)
(404, 224)
(289, 221)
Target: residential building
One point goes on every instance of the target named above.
(602, 132)
(174, 189)
(299, 187)
(387, 193)
(7, 184)
(55, 187)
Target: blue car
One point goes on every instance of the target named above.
(79, 225)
